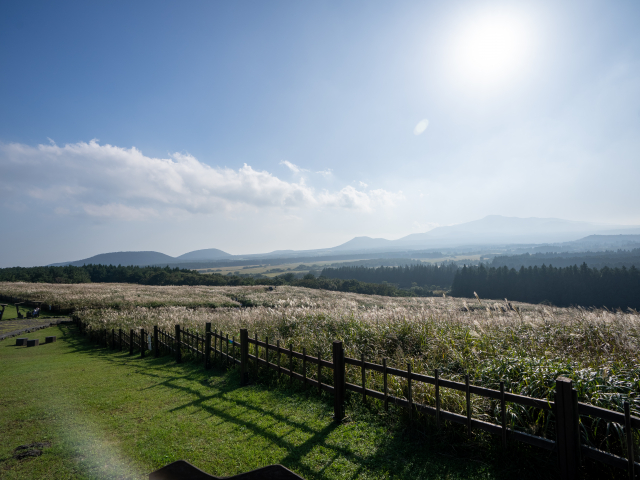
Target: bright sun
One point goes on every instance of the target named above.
(490, 49)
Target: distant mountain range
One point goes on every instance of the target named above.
(149, 258)
(491, 232)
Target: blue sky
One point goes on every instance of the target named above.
(255, 126)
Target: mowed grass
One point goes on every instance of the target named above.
(109, 415)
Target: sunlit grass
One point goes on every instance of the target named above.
(108, 415)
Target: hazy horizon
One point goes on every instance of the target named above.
(253, 127)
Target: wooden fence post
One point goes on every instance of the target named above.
(468, 398)
(409, 397)
(131, 341)
(244, 356)
(177, 345)
(257, 352)
(143, 343)
(156, 352)
(503, 415)
(386, 388)
(566, 431)
(338, 381)
(436, 376)
(304, 366)
(207, 345)
(629, 437)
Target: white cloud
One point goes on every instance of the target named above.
(421, 127)
(362, 184)
(294, 168)
(112, 182)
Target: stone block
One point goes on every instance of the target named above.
(21, 342)
(33, 343)
(49, 339)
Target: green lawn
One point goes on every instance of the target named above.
(108, 415)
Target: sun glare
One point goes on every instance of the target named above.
(490, 49)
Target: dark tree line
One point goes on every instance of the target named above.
(404, 277)
(589, 287)
(177, 276)
(612, 259)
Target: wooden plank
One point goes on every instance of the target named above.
(452, 385)
(352, 361)
(366, 391)
(396, 372)
(608, 415)
(423, 378)
(607, 458)
(532, 440)
(486, 426)
(453, 417)
(485, 392)
(298, 355)
(529, 401)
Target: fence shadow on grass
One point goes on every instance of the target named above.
(404, 456)
(401, 453)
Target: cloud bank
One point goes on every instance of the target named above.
(113, 182)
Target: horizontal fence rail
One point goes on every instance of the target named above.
(253, 355)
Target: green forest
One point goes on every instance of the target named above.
(611, 259)
(177, 276)
(408, 276)
(561, 286)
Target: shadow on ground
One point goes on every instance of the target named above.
(402, 452)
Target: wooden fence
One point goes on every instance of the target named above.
(251, 354)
